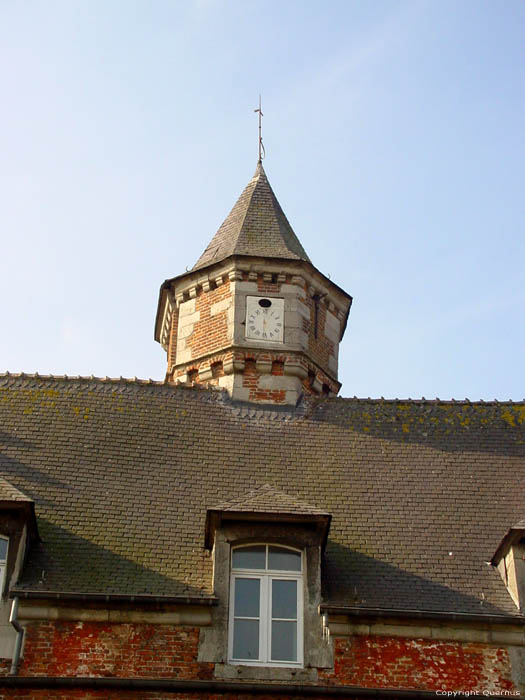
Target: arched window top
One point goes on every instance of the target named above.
(267, 557)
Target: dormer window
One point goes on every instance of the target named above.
(266, 606)
(3, 562)
(510, 562)
(267, 548)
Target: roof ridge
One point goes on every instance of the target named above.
(105, 382)
(247, 409)
(423, 400)
(81, 377)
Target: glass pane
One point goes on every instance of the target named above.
(247, 597)
(284, 641)
(284, 559)
(3, 549)
(284, 599)
(249, 557)
(246, 639)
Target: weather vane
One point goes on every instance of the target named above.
(262, 152)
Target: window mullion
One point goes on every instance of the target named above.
(264, 624)
(270, 593)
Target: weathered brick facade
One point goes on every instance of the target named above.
(206, 336)
(62, 648)
(145, 651)
(396, 662)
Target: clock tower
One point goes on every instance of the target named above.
(254, 315)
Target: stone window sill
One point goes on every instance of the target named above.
(264, 673)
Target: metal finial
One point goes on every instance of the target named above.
(262, 152)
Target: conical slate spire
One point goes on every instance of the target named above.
(256, 226)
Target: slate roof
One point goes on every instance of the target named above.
(268, 499)
(123, 472)
(9, 493)
(256, 226)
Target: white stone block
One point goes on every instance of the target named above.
(187, 307)
(273, 382)
(244, 287)
(294, 368)
(7, 632)
(296, 338)
(7, 641)
(220, 306)
(189, 319)
(300, 307)
(233, 385)
(205, 374)
(291, 397)
(332, 327)
(263, 366)
(183, 355)
(185, 331)
(292, 290)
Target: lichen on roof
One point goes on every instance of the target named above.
(123, 472)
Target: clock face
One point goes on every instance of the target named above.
(265, 319)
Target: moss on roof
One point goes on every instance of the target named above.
(122, 473)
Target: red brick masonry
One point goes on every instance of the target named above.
(166, 651)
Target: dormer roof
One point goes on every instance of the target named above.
(513, 534)
(267, 499)
(14, 500)
(9, 493)
(266, 504)
(256, 226)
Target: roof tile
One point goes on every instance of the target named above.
(122, 474)
(268, 499)
(256, 226)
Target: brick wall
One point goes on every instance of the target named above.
(128, 650)
(251, 379)
(100, 649)
(395, 662)
(211, 331)
(320, 348)
(205, 340)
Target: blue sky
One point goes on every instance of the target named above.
(395, 144)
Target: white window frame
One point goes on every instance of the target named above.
(266, 576)
(3, 565)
